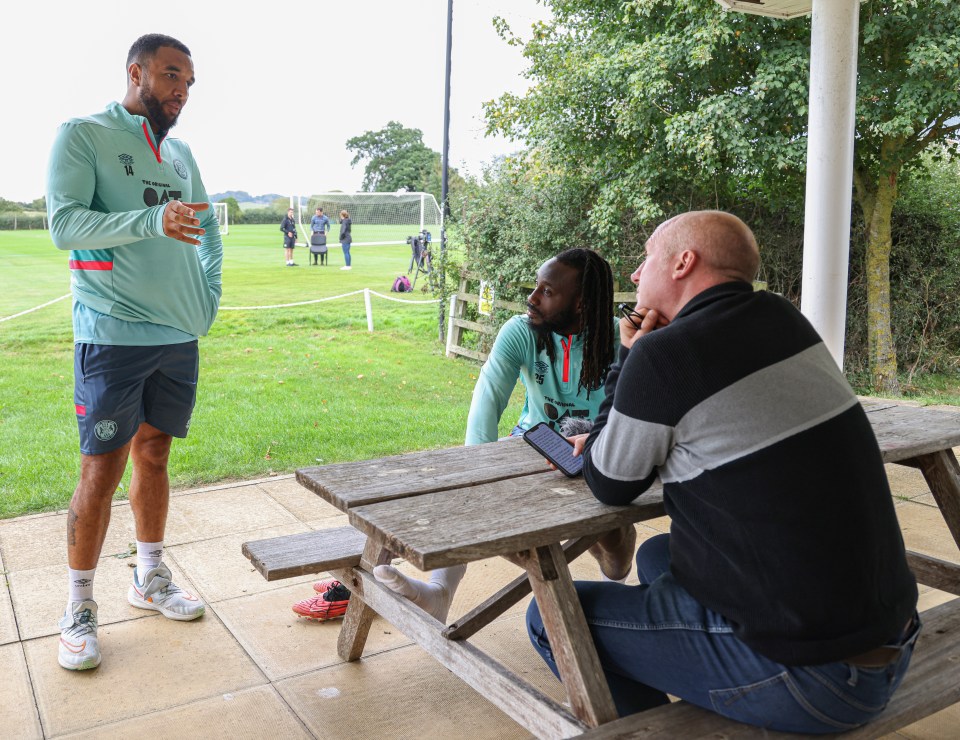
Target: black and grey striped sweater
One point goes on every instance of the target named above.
(782, 519)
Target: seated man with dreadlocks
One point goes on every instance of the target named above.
(561, 350)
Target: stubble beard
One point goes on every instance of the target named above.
(155, 111)
(557, 324)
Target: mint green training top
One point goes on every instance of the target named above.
(552, 389)
(108, 183)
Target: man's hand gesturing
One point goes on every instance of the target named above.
(180, 222)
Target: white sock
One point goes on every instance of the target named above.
(80, 584)
(433, 596)
(149, 555)
(603, 577)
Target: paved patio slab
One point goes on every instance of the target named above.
(925, 531)
(407, 694)
(8, 625)
(283, 644)
(252, 713)
(36, 542)
(303, 504)
(18, 713)
(148, 665)
(943, 725)
(221, 512)
(219, 569)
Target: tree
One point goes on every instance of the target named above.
(909, 88)
(234, 212)
(663, 103)
(397, 159)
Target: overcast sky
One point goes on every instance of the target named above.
(279, 89)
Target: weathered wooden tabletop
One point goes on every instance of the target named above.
(909, 431)
(346, 485)
(501, 518)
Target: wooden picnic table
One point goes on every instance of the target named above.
(446, 507)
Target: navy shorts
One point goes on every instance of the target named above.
(116, 388)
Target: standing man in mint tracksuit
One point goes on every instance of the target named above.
(145, 260)
(561, 350)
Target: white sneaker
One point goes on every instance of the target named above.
(160, 594)
(345, 267)
(79, 647)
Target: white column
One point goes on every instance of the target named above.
(826, 233)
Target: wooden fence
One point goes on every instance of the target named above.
(458, 325)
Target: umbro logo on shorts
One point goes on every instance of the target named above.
(105, 429)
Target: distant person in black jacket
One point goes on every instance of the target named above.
(289, 228)
(345, 238)
(781, 596)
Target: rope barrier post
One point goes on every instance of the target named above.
(453, 310)
(366, 301)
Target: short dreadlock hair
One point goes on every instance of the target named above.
(596, 316)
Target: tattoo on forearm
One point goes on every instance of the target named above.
(71, 527)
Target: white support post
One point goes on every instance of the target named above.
(366, 302)
(453, 308)
(422, 204)
(826, 234)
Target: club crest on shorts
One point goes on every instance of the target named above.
(105, 429)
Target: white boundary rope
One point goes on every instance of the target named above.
(365, 291)
(366, 302)
(319, 300)
(401, 300)
(35, 308)
(288, 305)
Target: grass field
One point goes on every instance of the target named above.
(279, 389)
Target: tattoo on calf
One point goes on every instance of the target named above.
(71, 527)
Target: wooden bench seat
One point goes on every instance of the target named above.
(303, 554)
(932, 683)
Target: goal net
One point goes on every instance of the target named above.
(377, 218)
(220, 211)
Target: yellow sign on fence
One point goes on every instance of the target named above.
(485, 304)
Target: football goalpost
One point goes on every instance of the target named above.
(377, 218)
(220, 211)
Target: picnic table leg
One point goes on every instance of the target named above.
(569, 635)
(359, 616)
(942, 473)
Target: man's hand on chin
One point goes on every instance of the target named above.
(630, 332)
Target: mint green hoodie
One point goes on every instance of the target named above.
(108, 183)
(552, 389)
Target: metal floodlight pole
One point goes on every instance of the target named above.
(444, 170)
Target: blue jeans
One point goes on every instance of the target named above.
(345, 246)
(656, 639)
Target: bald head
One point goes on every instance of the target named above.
(691, 253)
(724, 243)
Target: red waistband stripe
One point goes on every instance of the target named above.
(90, 265)
(81, 410)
